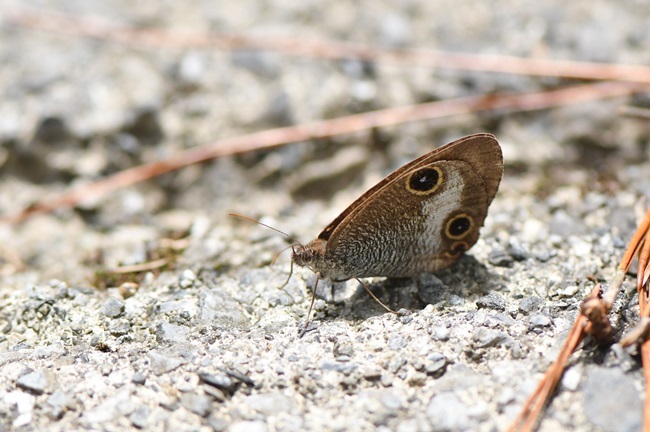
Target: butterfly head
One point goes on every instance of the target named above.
(311, 255)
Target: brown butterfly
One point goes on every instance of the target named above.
(421, 218)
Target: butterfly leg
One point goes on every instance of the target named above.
(311, 305)
(375, 297)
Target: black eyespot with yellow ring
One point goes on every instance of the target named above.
(425, 181)
(459, 226)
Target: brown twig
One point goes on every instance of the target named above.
(95, 28)
(635, 111)
(529, 415)
(593, 321)
(138, 268)
(327, 128)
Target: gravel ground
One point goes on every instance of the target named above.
(211, 342)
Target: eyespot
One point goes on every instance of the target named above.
(425, 181)
(459, 226)
(457, 249)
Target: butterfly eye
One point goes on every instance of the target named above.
(425, 181)
(459, 226)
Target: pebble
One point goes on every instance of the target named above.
(539, 320)
(435, 365)
(34, 382)
(221, 381)
(119, 327)
(199, 404)
(166, 332)
(161, 364)
(109, 409)
(612, 401)
(491, 301)
(187, 279)
(113, 307)
(343, 347)
(140, 417)
(397, 343)
(484, 338)
(446, 413)
(139, 378)
(530, 305)
(59, 403)
(517, 250)
(500, 258)
(24, 403)
(270, 404)
(441, 333)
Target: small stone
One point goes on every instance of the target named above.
(506, 397)
(516, 250)
(530, 304)
(539, 320)
(397, 343)
(500, 258)
(386, 380)
(269, 404)
(187, 279)
(199, 404)
(343, 347)
(569, 291)
(484, 338)
(113, 307)
(113, 407)
(220, 381)
(417, 379)
(119, 327)
(543, 254)
(33, 382)
(217, 423)
(139, 378)
(238, 375)
(491, 301)
(571, 379)
(441, 333)
(127, 289)
(372, 373)
(166, 332)
(59, 403)
(447, 412)
(106, 369)
(215, 393)
(139, 418)
(24, 403)
(436, 365)
(517, 350)
(611, 400)
(161, 364)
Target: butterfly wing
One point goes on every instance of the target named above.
(420, 218)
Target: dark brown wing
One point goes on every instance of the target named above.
(473, 149)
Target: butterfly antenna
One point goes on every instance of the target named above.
(311, 305)
(375, 297)
(264, 225)
(277, 255)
